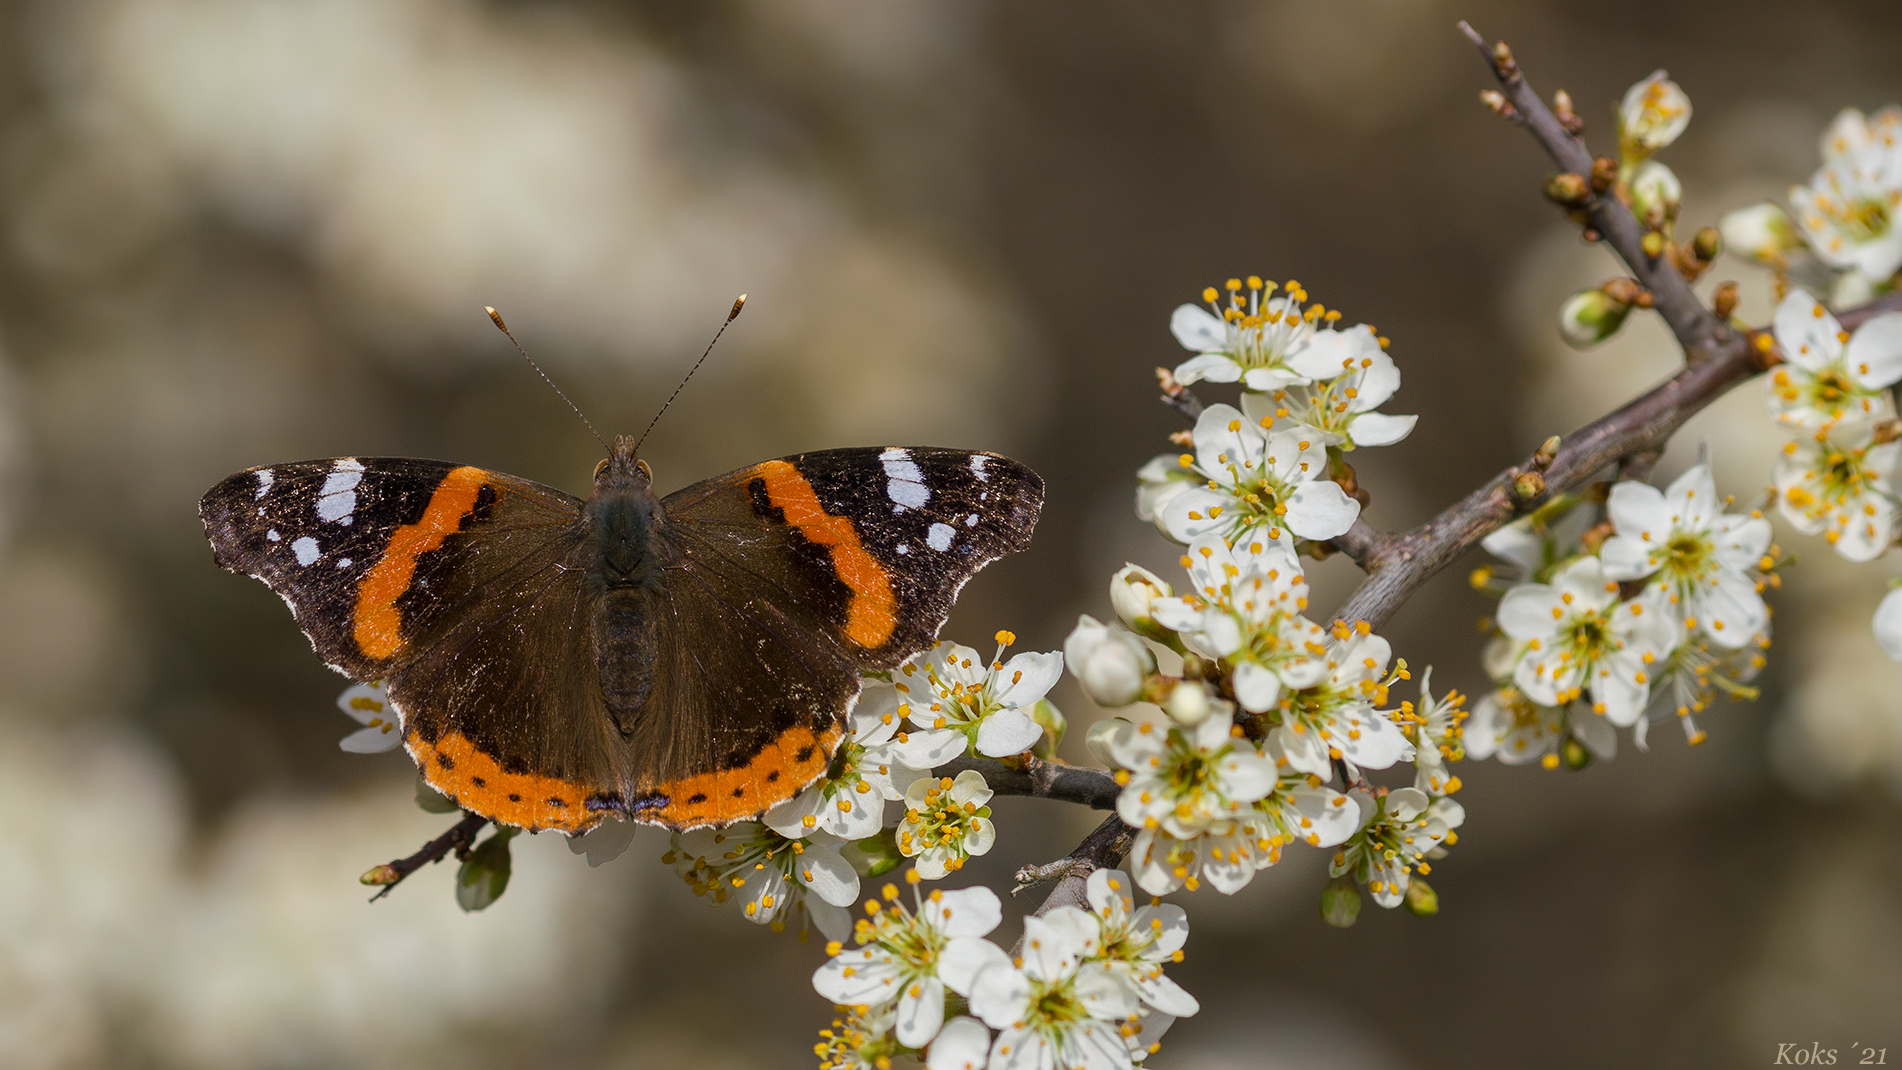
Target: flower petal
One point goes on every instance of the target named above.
(1379, 428)
(1320, 509)
(825, 871)
(1874, 353)
(1806, 332)
(1008, 731)
(920, 1011)
(963, 1044)
(964, 958)
(1197, 329)
(1256, 688)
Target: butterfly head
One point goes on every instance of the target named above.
(621, 469)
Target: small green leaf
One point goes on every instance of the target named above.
(433, 801)
(874, 855)
(485, 875)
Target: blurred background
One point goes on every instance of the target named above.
(235, 232)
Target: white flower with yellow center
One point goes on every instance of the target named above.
(1849, 209)
(1244, 612)
(1695, 672)
(1352, 376)
(946, 821)
(1055, 1008)
(369, 706)
(1255, 482)
(1511, 727)
(1179, 780)
(772, 876)
(1136, 943)
(858, 1041)
(1254, 339)
(1338, 718)
(1301, 809)
(1700, 558)
(1828, 375)
(1435, 728)
(1581, 638)
(1652, 115)
(961, 702)
(908, 958)
(1837, 483)
(872, 767)
(1399, 832)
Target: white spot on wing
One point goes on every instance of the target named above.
(265, 478)
(904, 484)
(305, 549)
(939, 537)
(978, 461)
(903, 549)
(338, 499)
(971, 521)
(272, 535)
(343, 562)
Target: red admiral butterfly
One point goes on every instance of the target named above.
(682, 661)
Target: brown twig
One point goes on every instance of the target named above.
(1702, 334)
(1103, 847)
(459, 838)
(1177, 396)
(1042, 779)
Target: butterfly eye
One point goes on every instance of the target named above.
(645, 470)
(600, 468)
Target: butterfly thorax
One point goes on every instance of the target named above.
(621, 519)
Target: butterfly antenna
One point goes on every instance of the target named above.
(738, 303)
(497, 317)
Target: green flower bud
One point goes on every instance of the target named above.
(1574, 754)
(1340, 902)
(1422, 901)
(1045, 713)
(1589, 317)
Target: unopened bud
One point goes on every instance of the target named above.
(1548, 450)
(1502, 59)
(1567, 116)
(1763, 232)
(1591, 316)
(1187, 704)
(1724, 300)
(1652, 115)
(1528, 485)
(1110, 663)
(1340, 902)
(1604, 173)
(1574, 754)
(1133, 590)
(1096, 739)
(1497, 101)
(377, 876)
(1655, 194)
(1652, 244)
(1707, 243)
(1568, 188)
(1422, 901)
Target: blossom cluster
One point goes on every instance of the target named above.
(1086, 988)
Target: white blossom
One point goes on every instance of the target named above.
(1253, 339)
(1581, 638)
(946, 821)
(1180, 779)
(1652, 115)
(369, 706)
(1339, 717)
(1243, 611)
(1352, 376)
(1513, 728)
(960, 702)
(1255, 481)
(1697, 670)
(1056, 1010)
(1135, 943)
(1700, 558)
(1399, 832)
(874, 766)
(907, 959)
(1849, 209)
(1764, 232)
(963, 1044)
(1302, 808)
(1888, 623)
(1133, 590)
(1837, 483)
(1828, 375)
(1435, 727)
(773, 876)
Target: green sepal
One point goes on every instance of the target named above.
(484, 875)
(874, 855)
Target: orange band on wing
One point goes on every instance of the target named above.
(378, 622)
(873, 611)
(477, 783)
(788, 763)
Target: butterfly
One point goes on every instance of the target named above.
(686, 661)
